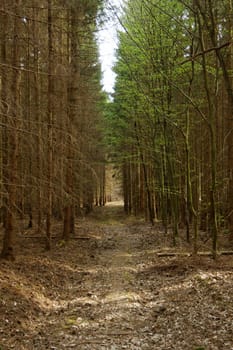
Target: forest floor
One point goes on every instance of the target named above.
(109, 289)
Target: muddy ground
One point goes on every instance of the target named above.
(109, 289)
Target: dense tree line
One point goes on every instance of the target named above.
(52, 164)
(172, 114)
(169, 125)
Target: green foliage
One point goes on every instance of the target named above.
(166, 105)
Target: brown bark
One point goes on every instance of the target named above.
(67, 227)
(4, 110)
(71, 115)
(37, 114)
(12, 134)
(50, 130)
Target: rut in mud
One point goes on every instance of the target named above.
(109, 290)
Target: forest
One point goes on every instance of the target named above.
(173, 108)
(51, 100)
(116, 213)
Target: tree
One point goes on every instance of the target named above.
(172, 69)
(13, 120)
(48, 163)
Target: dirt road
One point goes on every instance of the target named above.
(109, 290)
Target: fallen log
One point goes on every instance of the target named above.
(186, 254)
(167, 254)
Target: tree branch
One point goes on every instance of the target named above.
(216, 48)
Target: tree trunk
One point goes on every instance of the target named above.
(212, 127)
(37, 115)
(50, 130)
(4, 111)
(12, 133)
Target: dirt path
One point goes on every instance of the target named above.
(108, 290)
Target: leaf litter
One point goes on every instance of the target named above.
(113, 291)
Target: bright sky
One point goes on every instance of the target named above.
(107, 46)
